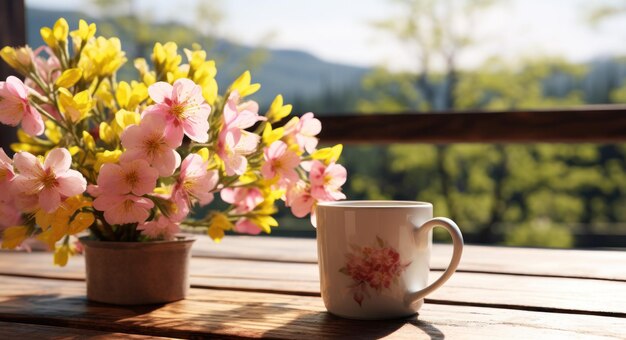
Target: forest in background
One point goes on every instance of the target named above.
(514, 194)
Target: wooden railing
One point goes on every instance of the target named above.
(589, 124)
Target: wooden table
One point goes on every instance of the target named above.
(268, 287)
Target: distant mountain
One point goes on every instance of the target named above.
(294, 74)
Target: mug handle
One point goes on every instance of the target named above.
(457, 244)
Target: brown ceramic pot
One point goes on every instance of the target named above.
(137, 273)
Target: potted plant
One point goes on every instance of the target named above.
(123, 163)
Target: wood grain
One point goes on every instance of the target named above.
(570, 295)
(247, 314)
(34, 331)
(597, 124)
(596, 264)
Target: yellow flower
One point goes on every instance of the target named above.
(81, 221)
(106, 133)
(21, 58)
(106, 157)
(57, 35)
(328, 155)
(146, 75)
(166, 58)
(75, 107)
(30, 144)
(14, 236)
(129, 96)
(53, 132)
(60, 223)
(203, 73)
(62, 254)
(83, 33)
(248, 177)
(277, 110)
(219, 223)
(124, 118)
(265, 222)
(90, 143)
(69, 77)
(271, 135)
(101, 58)
(243, 86)
(103, 94)
(204, 153)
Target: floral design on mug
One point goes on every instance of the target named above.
(372, 268)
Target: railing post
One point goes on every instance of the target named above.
(12, 33)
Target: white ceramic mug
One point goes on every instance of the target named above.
(374, 256)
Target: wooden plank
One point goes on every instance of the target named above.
(596, 124)
(599, 264)
(602, 297)
(10, 330)
(247, 314)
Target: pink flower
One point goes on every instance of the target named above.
(136, 177)
(195, 181)
(183, 107)
(304, 131)
(280, 162)
(15, 108)
(149, 141)
(9, 212)
(244, 199)
(245, 226)
(123, 209)
(326, 181)
(299, 199)
(161, 228)
(6, 169)
(47, 68)
(51, 181)
(234, 143)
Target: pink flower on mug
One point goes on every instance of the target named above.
(51, 181)
(183, 108)
(15, 107)
(150, 141)
(375, 267)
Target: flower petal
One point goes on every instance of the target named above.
(71, 183)
(49, 199)
(58, 160)
(160, 91)
(32, 123)
(27, 164)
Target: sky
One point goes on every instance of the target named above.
(340, 30)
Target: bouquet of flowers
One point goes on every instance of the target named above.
(129, 161)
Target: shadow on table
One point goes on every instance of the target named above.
(267, 318)
(71, 308)
(327, 325)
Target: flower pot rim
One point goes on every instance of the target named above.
(85, 240)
